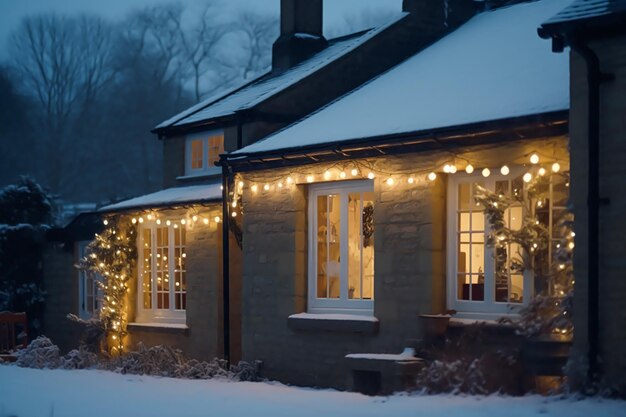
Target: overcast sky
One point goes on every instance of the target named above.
(11, 11)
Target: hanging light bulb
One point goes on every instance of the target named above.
(194, 218)
(168, 222)
(469, 168)
(354, 172)
(241, 184)
(234, 214)
(158, 221)
(452, 169)
(527, 177)
(140, 220)
(390, 181)
(446, 168)
(280, 185)
(326, 175)
(217, 219)
(105, 222)
(133, 221)
(486, 172)
(504, 170)
(234, 204)
(254, 188)
(411, 180)
(310, 178)
(266, 187)
(150, 216)
(370, 175)
(432, 176)
(205, 221)
(541, 172)
(534, 159)
(183, 221)
(342, 175)
(289, 180)
(556, 167)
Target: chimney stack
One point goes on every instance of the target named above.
(437, 14)
(300, 33)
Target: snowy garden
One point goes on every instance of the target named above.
(68, 393)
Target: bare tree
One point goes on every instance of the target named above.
(63, 62)
(259, 33)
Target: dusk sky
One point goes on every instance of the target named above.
(11, 11)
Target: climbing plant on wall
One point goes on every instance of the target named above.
(113, 256)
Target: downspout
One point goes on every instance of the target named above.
(594, 78)
(225, 262)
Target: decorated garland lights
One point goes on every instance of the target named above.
(357, 170)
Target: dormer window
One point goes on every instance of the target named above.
(202, 150)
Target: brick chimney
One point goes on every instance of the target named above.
(300, 33)
(437, 14)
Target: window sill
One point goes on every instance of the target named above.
(341, 323)
(172, 328)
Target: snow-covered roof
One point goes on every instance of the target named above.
(170, 197)
(270, 84)
(493, 67)
(587, 9)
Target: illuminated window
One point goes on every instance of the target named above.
(216, 147)
(341, 249)
(483, 280)
(89, 291)
(202, 151)
(162, 292)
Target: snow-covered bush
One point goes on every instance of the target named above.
(470, 363)
(156, 361)
(169, 362)
(40, 353)
(26, 212)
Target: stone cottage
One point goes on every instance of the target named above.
(360, 217)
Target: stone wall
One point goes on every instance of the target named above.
(612, 55)
(61, 285)
(409, 262)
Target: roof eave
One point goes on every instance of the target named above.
(160, 206)
(544, 124)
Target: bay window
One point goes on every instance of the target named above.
(162, 286)
(485, 281)
(341, 248)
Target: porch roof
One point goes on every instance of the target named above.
(494, 67)
(170, 197)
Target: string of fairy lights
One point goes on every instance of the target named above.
(357, 170)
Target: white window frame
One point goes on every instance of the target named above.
(206, 169)
(489, 308)
(343, 305)
(84, 277)
(156, 315)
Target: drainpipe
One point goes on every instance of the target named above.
(594, 78)
(225, 263)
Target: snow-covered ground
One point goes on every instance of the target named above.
(61, 393)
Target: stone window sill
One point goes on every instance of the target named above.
(341, 323)
(171, 328)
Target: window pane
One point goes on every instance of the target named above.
(196, 153)
(464, 196)
(360, 246)
(464, 222)
(162, 269)
(147, 269)
(355, 246)
(328, 246)
(216, 147)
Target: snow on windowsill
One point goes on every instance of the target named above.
(407, 354)
(178, 326)
(346, 317)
